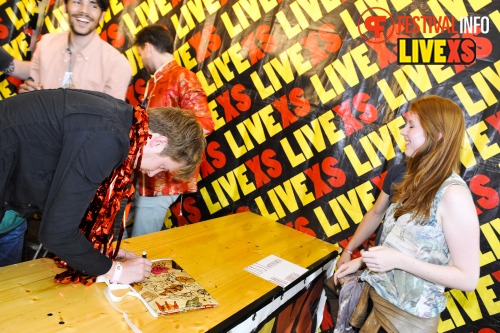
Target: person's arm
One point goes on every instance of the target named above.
(74, 185)
(366, 227)
(11, 66)
(21, 69)
(32, 82)
(461, 228)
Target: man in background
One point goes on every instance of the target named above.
(79, 58)
(171, 85)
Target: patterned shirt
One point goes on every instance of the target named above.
(176, 86)
(424, 242)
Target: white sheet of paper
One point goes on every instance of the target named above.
(276, 270)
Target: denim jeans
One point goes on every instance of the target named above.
(11, 245)
(150, 213)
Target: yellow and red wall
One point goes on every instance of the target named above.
(308, 112)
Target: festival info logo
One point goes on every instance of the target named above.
(376, 25)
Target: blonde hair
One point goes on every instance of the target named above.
(444, 126)
(186, 141)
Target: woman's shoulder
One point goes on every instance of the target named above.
(453, 179)
(457, 210)
(455, 192)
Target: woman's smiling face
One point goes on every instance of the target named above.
(413, 133)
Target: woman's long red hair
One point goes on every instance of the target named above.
(444, 126)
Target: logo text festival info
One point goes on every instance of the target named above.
(412, 50)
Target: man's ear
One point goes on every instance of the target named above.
(149, 48)
(158, 143)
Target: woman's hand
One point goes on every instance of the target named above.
(381, 258)
(344, 257)
(347, 268)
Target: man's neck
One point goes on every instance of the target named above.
(161, 59)
(77, 43)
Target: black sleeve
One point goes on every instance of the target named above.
(5, 60)
(74, 186)
(394, 175)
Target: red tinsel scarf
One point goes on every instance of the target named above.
(97, 224)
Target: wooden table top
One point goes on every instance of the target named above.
(214, 252)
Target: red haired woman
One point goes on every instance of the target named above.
(430, 220)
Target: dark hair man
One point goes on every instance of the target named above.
(170, 85)
(79, 58)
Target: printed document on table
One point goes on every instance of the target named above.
(276, 270)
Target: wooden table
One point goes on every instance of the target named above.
(214, 252)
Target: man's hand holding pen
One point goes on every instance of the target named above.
(129, 268)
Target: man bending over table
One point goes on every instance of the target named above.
(57, 147)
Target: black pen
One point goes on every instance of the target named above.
(144, 255)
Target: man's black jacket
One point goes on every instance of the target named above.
(56, 147)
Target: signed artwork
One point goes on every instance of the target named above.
(170, 289)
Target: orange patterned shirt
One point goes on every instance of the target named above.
(174, 85)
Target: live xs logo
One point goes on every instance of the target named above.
(376, 25)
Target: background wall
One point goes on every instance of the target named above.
(307, 112)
